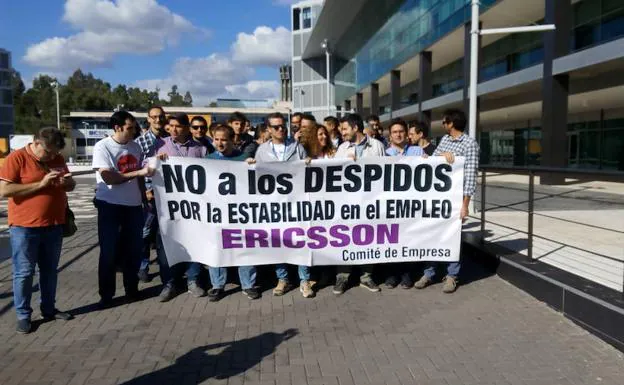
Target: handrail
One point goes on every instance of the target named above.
(603, 175)
(595, 175)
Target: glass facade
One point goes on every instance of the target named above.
(591, 145)
(417, 24)
(597, 21)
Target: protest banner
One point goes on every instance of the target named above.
(331, 212)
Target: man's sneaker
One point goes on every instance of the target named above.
(144, 276)
(450, 284)
(281, 288)
(406, 282)
(306, 289)
(215, 294)
(196, 290)
(369, 284)
(423, 282)
(341, 285)
(391, 282)
(252, 293)
(23, 326)
(167, 294)
(60, 315)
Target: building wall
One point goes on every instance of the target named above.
(309, 77)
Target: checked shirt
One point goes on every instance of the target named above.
(150, 144)
(468, 148)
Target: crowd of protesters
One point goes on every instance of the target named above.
(36, 179)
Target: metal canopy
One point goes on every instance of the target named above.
(348, 25)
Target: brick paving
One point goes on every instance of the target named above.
(488, 332)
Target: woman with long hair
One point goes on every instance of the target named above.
(325, 147)
(317, 142)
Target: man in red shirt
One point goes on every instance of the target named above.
(35, 179)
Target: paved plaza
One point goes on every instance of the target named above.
(488, 332)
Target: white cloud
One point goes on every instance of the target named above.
(108, 28)
(266, 46)
(213, 76)
(255, 89)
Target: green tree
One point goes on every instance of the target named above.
(175, 99)
(188, 99)
(120, 96)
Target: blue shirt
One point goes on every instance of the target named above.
(236, 155)
(408, 150)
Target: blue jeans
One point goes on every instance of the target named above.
(32, 246)
(281, 270)
(150, 231)
(120, 230)
(246, 274)
(169, 275)
(452, 270)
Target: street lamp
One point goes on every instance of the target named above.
(55, 85)
(325, 46)
(474, 57)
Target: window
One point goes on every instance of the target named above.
(6, 129)
(296, 15)
(5, 78)
(91, 142)
(81, 142)
(6, 114)
(4, 60)
(307, 17)
(6, 97)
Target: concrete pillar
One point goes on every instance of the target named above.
(374, 98)
(555, 90)
(395, 91)
(425, 86)
(359, 103)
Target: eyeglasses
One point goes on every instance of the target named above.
(202, 127)
(277, 127)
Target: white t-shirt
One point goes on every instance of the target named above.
(279, 150)
(123, 158)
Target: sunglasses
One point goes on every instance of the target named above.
(277, 127)
(198, 127)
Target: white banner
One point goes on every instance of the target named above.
(331, 212)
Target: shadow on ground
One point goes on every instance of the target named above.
(199, 365)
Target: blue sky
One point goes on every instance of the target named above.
(209, 47)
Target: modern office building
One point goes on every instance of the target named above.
(551, 98)
(6, 101)
(312, 91)
(285, 83)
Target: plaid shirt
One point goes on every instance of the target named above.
(468, 148)
(150, 144)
